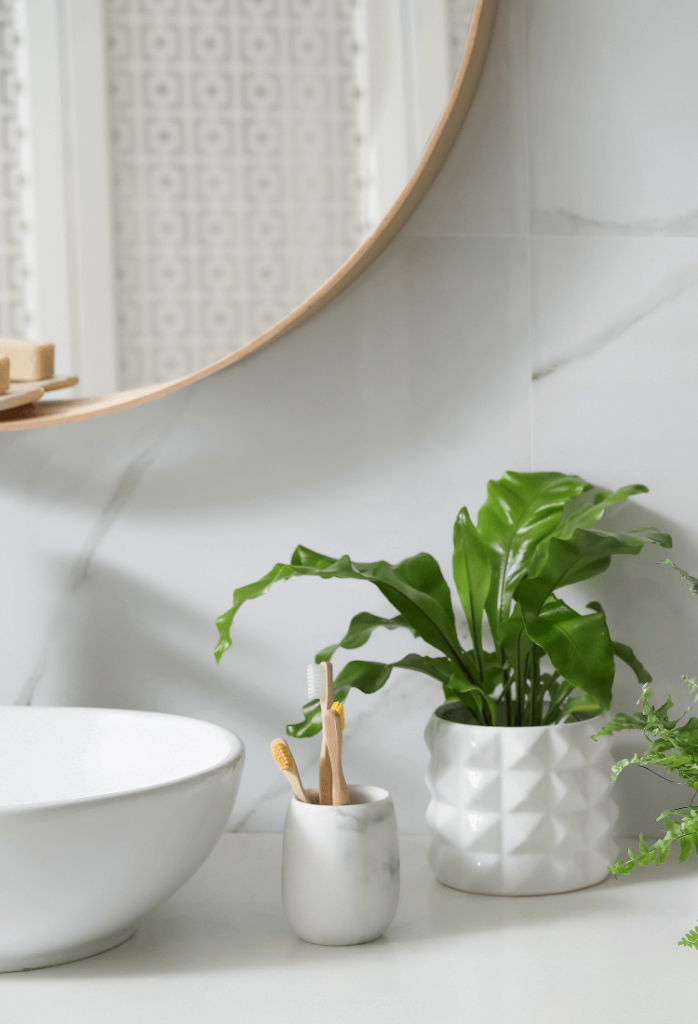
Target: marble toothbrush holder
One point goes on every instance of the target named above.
(341, 867)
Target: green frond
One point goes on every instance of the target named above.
(691, 939)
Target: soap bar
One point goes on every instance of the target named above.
(29, 360)
(4, 374)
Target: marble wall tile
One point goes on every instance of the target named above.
(613, 154)
(612, 98)
(452, 359)
(483, 187)
(615, 357)
(590, 294)
(364, 431)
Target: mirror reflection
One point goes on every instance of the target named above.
(247, 148)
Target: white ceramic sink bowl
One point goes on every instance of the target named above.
(103, 815)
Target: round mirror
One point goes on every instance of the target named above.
(195, 177)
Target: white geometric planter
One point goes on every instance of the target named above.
(519, 811)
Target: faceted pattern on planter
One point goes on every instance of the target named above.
(520, 811)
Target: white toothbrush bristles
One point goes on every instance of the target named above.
(316, 682)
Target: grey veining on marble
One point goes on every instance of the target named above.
(125, 485)
(611, 95)
(646, 306)
(566, 222)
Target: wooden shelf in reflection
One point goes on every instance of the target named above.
(58, 383)
(20, 395)
(19, 402)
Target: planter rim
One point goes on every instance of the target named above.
(512, 728)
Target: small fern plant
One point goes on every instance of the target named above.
(673, 746)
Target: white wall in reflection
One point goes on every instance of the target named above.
(195, 170)
(254, 145)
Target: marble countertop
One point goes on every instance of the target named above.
(220, 950)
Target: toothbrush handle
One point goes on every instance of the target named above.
(329, 685)
(340, 792)
(325, 777)
(295, 781)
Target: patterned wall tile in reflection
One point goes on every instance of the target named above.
(16, 315)
(235, 156)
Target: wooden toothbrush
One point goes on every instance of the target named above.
(320, 686)
(340, 791)
(284, 758)
(339, 708)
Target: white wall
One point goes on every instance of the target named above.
(558, 242)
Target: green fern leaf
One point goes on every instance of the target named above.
(691, 939)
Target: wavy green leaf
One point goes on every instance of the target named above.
(415, 587)
(491, 671)
(515, 641)
(587, 553)
(371, 676)
(588, 513)
(481, 704)
(472, 572)
(582, 705)
(626, 654)
(581, 513)
(579, 646)
(361, 628)
(247, 593)
(521, 510)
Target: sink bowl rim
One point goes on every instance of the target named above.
(234, 756)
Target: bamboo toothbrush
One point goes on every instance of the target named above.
(284, 758)
(339, 708)
(320, 687)
(340, 792)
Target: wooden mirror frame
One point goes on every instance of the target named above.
(53, 412)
